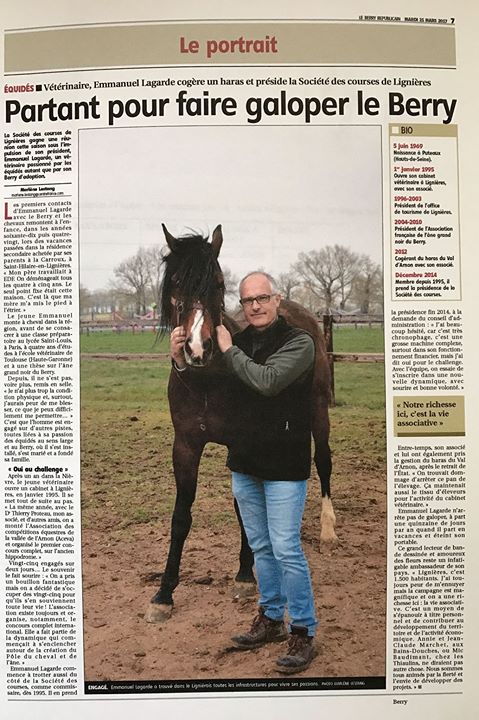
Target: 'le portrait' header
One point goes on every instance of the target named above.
(235, 43)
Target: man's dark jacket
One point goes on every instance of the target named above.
(272, 438)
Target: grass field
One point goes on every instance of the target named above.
(107, 341)
(346, 339)
(127, 435)
(361, 339)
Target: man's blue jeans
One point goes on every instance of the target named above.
(272, 511)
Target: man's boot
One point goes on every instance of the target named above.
(262, 631)
(301, 651)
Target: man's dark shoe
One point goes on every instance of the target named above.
(262, 631)
(301, 651)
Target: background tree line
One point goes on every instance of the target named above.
(331, 279)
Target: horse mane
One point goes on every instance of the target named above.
(191, 268)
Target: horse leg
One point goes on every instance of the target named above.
(245, 580)
(322, 460)
(186, 460)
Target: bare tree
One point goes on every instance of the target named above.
(319, 274)
(329, 274)
(287, 282)
(154, 264)
(349, 265)
(133, 278)
(367, 288)
(305, 297)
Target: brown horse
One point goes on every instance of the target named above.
(192, 295)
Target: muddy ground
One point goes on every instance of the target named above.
(349, 582)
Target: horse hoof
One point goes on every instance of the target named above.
(158, 613)
(244, 590)
(329, 540)
(328, 522)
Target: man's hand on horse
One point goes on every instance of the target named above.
(177, 344)
(224, 338)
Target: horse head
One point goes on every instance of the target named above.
(192, 292)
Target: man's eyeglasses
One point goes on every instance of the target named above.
(260, 299)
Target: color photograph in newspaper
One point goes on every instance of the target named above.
(303, 204)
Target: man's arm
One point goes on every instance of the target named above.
(280, 370)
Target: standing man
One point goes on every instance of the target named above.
(270, 460)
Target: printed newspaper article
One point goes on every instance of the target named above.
(334, 150)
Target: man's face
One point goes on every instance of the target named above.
(261, 316)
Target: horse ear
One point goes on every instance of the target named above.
(217, 240)
(172, 241)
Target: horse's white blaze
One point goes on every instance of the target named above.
(196, 343)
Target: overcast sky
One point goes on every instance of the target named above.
(277, 191)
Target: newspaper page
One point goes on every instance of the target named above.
(333, 146)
